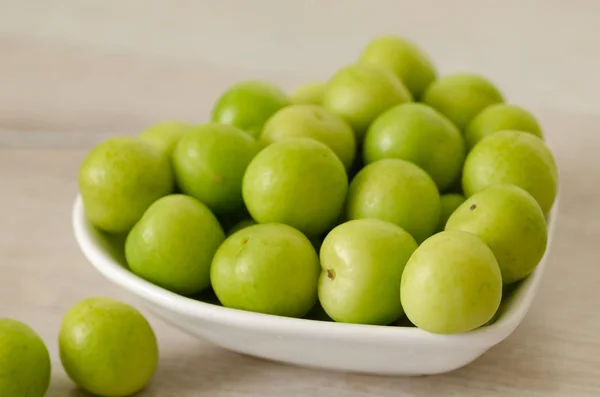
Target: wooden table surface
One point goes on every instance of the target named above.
(74, 72)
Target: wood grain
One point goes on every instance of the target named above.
(73, 73)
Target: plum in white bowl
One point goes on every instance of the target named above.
(388, 350)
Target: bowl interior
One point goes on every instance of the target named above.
(106, 253)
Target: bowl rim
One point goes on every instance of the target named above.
(487, 335)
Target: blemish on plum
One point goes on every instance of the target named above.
(472, 207)
(331, 274)
(216, 178)
(242, 246)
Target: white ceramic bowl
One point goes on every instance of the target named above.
(333, 346)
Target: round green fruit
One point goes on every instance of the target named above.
(296, 181)
(165, 136)
(449, 203)
(515, 158)
(398, 192)
(107, 347)
(119, 179)
(510, 222)
(173, 244)
(248, 105)
(24, 361)
(421, 135)
(460, 97)
(362, 263)
(311, 121)
(359, 93)
(451, 284)
(210, 163)
(500, 117)
(268, 268)
(309, 94)
(409, 63)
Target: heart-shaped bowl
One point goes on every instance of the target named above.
(384, 350)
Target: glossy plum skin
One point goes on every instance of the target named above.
(396, 191)
(268, 268)
(119, 179)
(449, 203)
(361, 92)
(417, 133)
(165, 136)
(407, 61)
(451, 284)
(501, 117)
(299, 182)
(461, 96)
(311, 121)
(362, 263)
(510, 222)
(173, 244)
(515, 158)
(248, 105)
(210, 162)
(309, 93)
(107, 347)
(24, 361)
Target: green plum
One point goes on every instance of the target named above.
(449, 203)
(268, 268)
(461, 96)
(309, 93)
(24, 361)
(249, 104)
(417, 133)
(451, 283)
(210, 162)
(119, 179)
(408, 62)
(396, 191)
(165, 136)
(173, 244)
(500, 117)
(359, 93)
(107, 347)
(241, 225)
(516, 158)
(296, 181)
(362, 263)
(312, 121)
(510, 222)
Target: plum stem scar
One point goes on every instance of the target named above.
(331, 274)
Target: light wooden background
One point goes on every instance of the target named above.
(74, 72)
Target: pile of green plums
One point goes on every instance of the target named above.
(386, 191)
